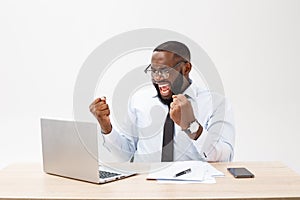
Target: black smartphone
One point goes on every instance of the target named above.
(240, 172)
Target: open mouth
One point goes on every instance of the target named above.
(164, 89)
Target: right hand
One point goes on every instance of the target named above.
(101, 111)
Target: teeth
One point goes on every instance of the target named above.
(163, 85)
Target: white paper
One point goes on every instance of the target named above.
(201, 172)
(210, 180)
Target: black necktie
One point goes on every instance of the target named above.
(168, 143)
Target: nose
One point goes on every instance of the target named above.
(158, 77)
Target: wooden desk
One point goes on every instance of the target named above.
(273, 181)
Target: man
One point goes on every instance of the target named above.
(174, 120)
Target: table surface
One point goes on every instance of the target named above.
(273, 180)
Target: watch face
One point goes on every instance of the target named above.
(194, 127)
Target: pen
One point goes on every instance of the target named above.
(183, 172)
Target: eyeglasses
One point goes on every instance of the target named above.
(163, 72)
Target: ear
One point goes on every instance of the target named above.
(187, 68)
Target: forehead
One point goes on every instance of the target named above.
(162, 57)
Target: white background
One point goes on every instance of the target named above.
(255, 46)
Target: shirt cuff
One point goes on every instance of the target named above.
(111, 137)
(199, 143)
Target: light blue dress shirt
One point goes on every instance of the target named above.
(140, 136)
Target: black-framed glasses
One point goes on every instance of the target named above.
(163, 71)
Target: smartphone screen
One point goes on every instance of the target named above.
(240, 172)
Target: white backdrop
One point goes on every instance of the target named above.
(255, 46)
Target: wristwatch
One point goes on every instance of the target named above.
(193, 127)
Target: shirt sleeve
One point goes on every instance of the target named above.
(122, 141)
(216, 142)
(120, 146)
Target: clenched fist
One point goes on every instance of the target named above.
(181, 111)
(100, 110)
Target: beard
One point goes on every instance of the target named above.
(176, 88)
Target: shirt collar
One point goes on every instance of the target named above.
(190, 91)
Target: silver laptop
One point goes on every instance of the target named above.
(70, 149)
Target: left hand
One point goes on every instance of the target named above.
(181, 111)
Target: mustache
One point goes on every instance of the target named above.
(160, 82)
(176, 85)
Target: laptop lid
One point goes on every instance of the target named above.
(70, 149)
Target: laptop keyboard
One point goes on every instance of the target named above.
(105, 174)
